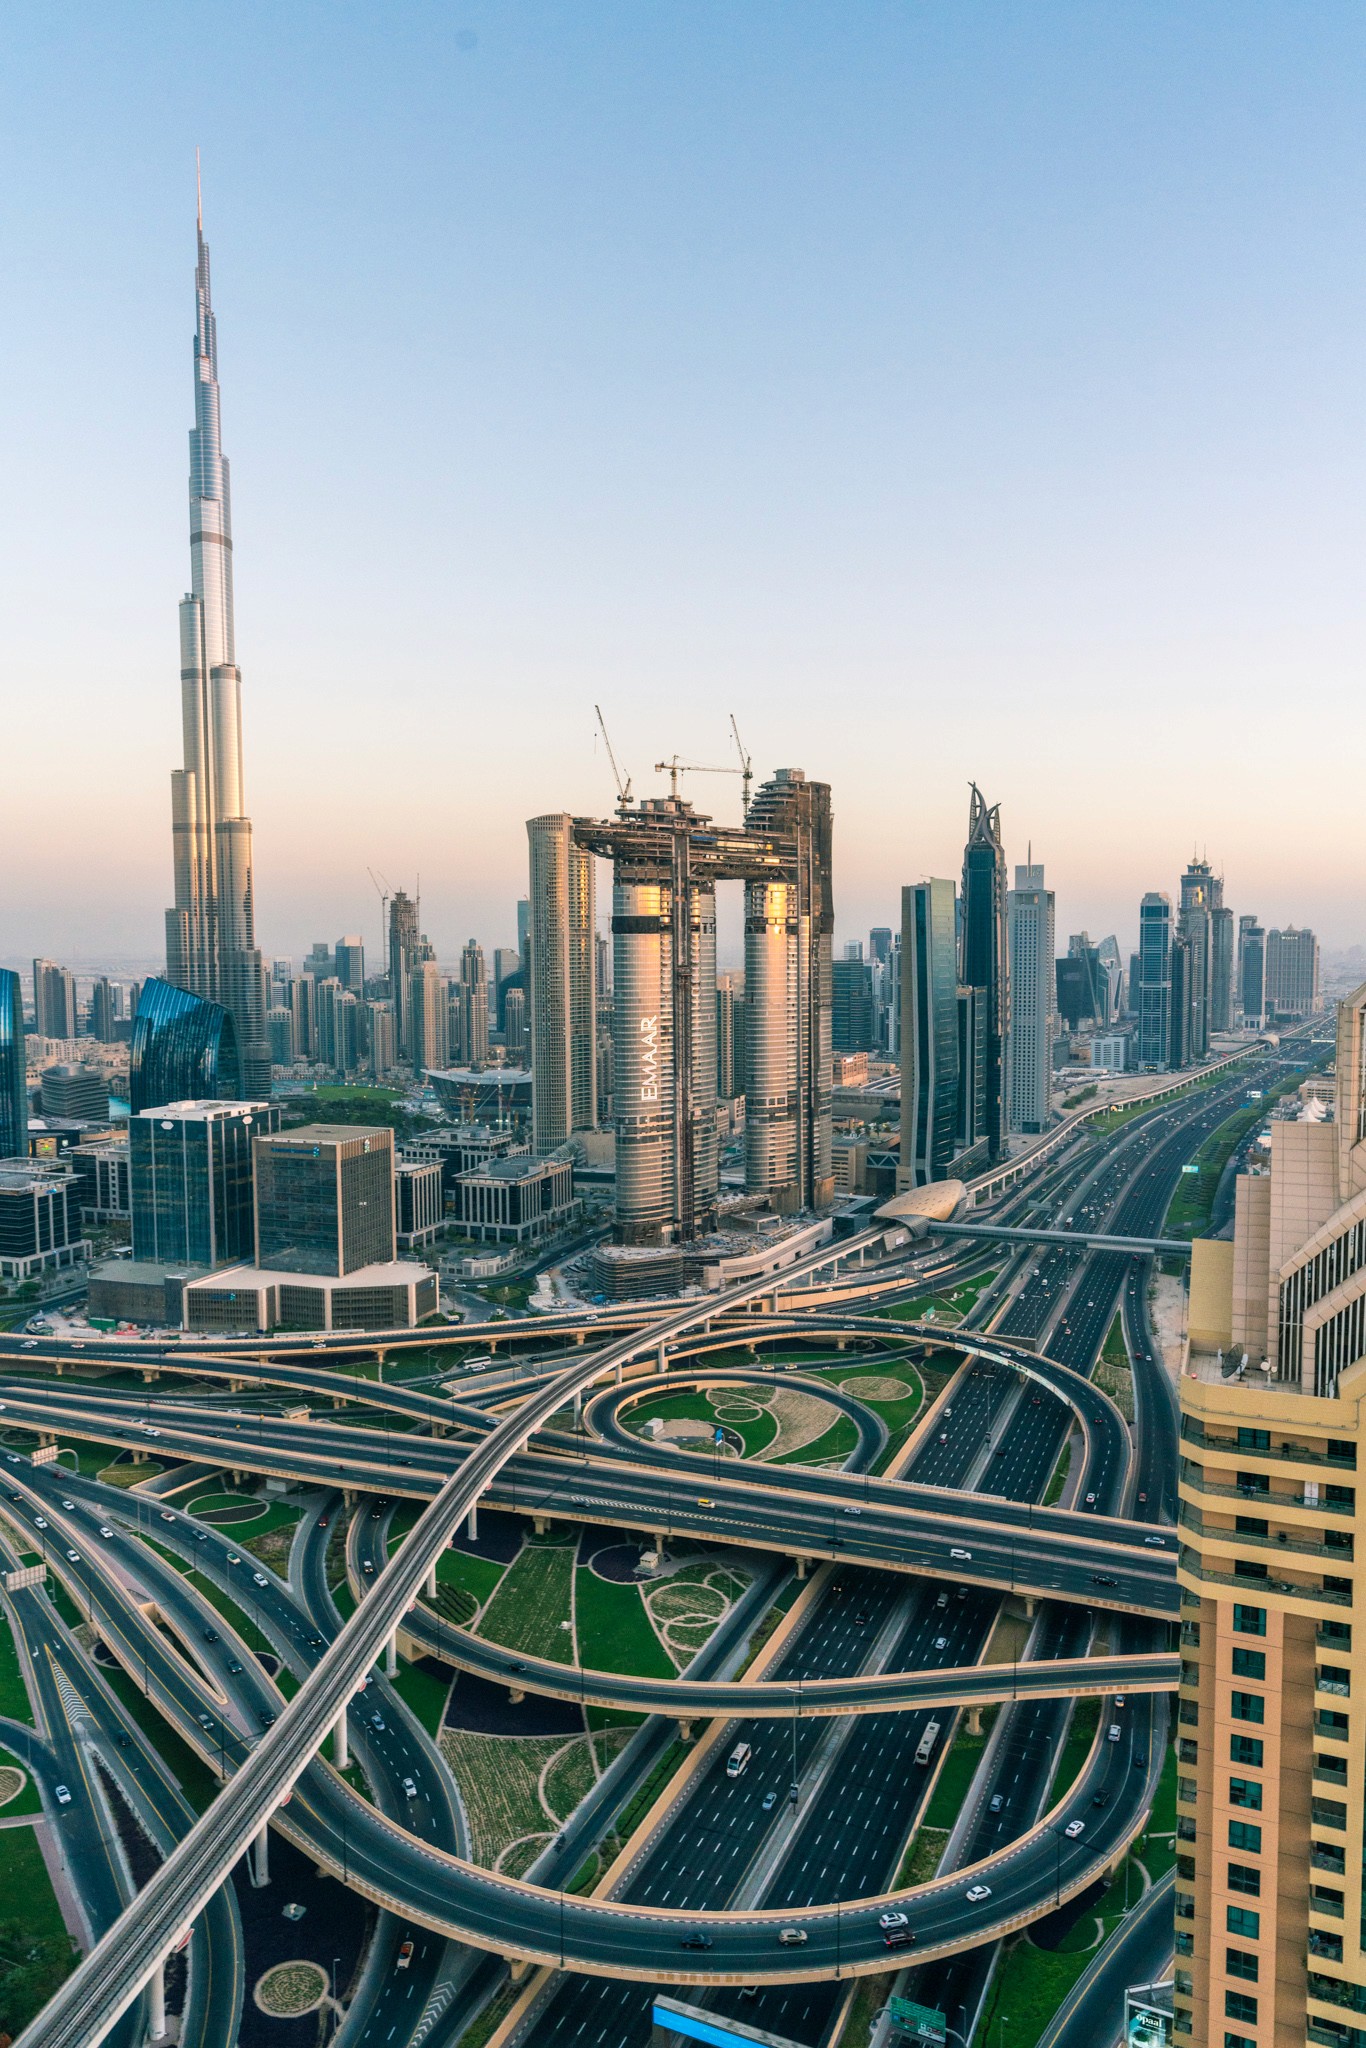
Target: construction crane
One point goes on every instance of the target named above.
(673, 769)
(384, 891)
(746, 764)
(623, 789)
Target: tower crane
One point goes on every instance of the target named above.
(674, 768)
(746, 764)
(384, 891)
(623, 789)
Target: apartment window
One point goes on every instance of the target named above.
(1185, 1942)
(1239, 2041)
(1186, 1791)
(1185, 1827)
(1250, 1568)
(1339, 1633)
(1329, 1946)
(1249, 1621)
(1248, 1706)
(1245, 1878)
(1238, 2006)
(1332, 1584)
(1250, 1525)
(1190, 1634)
(1189, 1713)
(1243, 1920)
(1187, 1752)
(1328, 1813)
(1245, 1792)
(1254, 1439)
(1330, 1722)
(1329, 1856)
(1341, 1496)
(1342, 1453)
(1249, 1664)
(1245, 1749)
(1245, 1834)
(1335, 1678)
(1253, 1482)
(1240, 1962)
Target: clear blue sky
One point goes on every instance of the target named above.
(951, 390)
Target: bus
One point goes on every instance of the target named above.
(738, 1760)
(925, 1748)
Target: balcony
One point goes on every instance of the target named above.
(1253, 1589)
(1193, 1476)
(1325, 1902)
(1193, 1432)
(1297, 1546)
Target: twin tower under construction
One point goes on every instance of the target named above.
(667, 860)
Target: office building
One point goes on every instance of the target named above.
(54, 1001)
(349, 964)
(1083, 986)
(40, 1220)
(101, 1167)
(929, 1033)
(190, 1169)
(428, 1006)
(320, 961)
(74, 1091)
(474, 1006)
(516, 1200)
(852, 1027)
(13, 1070)
(280, 1031)
(303, 1007)
(1111, 963)
(1030, 930)
(880, 943)
(403, 957)
(325, 1199)
(1269, 1877)
(211, 930)
(1152, 998)
(1251, 971)
(1292, 975)
(730, 1036)
(184, 1049)
(971, 1138)
(985, 961)
(563, 1021)
(396, 1295)
(514, 1025)
(419, 1204)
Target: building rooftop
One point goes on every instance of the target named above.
(389, 1273)
(329, 1134)
(521, 1166)
(201, 1110)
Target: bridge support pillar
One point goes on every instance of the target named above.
(661, 1358)
(841, 1343)
(974, 1721)
(539, 1524)
(801, 1567)
(260, 1859)
(148, 1376)
(391, 1656)
(578, 1408)
(156, 2000)
(618, 1378)
(517, 1970)
(431, 1583)
(1030, 1604)
(341, 1752)
(685, 1731)
(472, 1530)
(580, 1336)
(515, 1695)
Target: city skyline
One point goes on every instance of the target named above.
(1183, 572)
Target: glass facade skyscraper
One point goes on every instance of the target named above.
(929, 1032)
(13, 1087)
(190, 1180)
(184, 1050)
(985, 955)
(1152, 999)
(325, 1199)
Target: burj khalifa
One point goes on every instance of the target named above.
(211, 932)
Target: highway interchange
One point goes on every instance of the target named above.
(845, 1843)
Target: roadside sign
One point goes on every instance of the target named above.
(921, 2022)
(25, 1575)
(46, 1456)
(1190, 1169)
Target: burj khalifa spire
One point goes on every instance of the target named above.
(211, 932)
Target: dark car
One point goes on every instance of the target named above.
(696, 1940)
(211, 1635)
(898, 1937)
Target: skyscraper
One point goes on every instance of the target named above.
(1200, 889)
(1030, 924)
(1152, 999)
(428, 1041)
(184, 1049)
(1292, 974)
(325, 1198)
(929, 1033)
(54, 1000)
(1251, 970)
(190, 1180)
(102, 1011)
(211, 931)
(563, 1002)
(403, 956)
(1221, 991)
(349, 957)
(985, 954)
(474, 1004)
(13, 1087)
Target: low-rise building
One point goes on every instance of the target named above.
(419, 1202)
(516, 1200)
(101, 1167)
(76, 1091)
(40, 1220)
(395, 1295)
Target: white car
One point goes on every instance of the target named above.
(891, 1920)
(975, 1893)
(105, 1529)
(68, 1505)
(260, 1578)
(74, 1555)
(941, 1642)
(1074, 1828)
(62, 1794)
(40, 1522)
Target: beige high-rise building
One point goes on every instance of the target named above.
(563, 1003)
(1270, 1809)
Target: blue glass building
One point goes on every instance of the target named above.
(184, 1050)
(13, 1088)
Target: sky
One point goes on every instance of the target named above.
(949, 392)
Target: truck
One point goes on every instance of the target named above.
(738, 1760)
